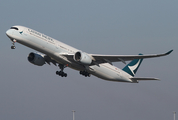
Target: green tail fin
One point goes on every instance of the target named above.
(133, 66)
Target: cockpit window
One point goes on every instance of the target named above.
(14, 28)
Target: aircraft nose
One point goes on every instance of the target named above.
(9, 33)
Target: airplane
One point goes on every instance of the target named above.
(63, 55)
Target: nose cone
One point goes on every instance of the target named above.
(9, 33)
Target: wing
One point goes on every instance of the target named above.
(49, 60)
(122, 58)
(97, 59)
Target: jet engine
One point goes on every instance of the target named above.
(36, 59)
(83, 58)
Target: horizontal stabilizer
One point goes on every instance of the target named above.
(136, 80)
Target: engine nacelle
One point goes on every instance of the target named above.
(83, 58)
(36, 59)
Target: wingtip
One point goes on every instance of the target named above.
(169, 52)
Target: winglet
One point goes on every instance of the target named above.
(169, 52)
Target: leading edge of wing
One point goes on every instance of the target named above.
(117, 58)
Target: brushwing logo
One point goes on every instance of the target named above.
(134, 67)
(21, 32)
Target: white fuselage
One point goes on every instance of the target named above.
(54, 49)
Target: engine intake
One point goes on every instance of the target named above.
(83, 58)
(36, 59)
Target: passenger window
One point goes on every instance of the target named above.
(14, 28)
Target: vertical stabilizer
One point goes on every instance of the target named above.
(133, 66)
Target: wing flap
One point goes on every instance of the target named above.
(49, 60)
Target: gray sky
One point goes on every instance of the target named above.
(29, 92)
